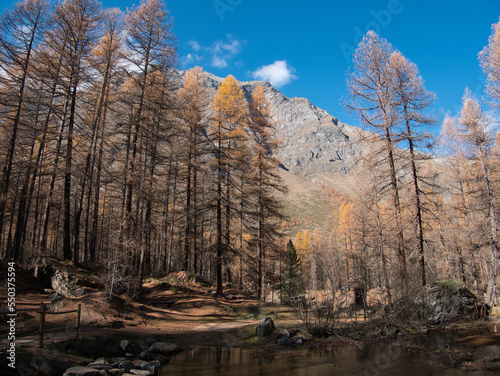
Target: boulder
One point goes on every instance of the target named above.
(127, 364)
(100, 361)
(104, 367)
(138, 363)
(153, 368)
(165, 348)
(140, 372)
(117, 360)
(131, 347)
(115, 371)
(265, 327)
(447, 301)
(147, 355)
(285, 341)
(100, 364)
(142, 345)
(82, 371)
(150, 355)
(298, 341)
(160, 358)
(66, 285)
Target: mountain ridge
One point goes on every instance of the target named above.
(315, 145)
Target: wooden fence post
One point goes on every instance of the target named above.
(42, 324)
(78, 316)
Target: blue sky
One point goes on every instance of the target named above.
(305, 47)
(313, 42)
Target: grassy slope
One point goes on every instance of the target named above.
(305, 204)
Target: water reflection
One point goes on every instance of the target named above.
(370, 359)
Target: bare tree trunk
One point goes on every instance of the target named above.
(7, 167)
(397, 209)
(416, 197)
(493, 274)
(53, 176)
(382, 253)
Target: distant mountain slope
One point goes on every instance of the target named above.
(315, 145)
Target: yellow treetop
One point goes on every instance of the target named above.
(230, 106)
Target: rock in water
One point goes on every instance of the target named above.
(265, 327)
(126, 365)
(82, 371)
(165, 348)
(285, 341)
(153, 368)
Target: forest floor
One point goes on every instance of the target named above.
(172, 307)
(177, 309)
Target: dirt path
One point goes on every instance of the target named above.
(225, 326)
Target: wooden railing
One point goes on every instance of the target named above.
(42, 311)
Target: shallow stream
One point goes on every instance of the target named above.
(432, 354)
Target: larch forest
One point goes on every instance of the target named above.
(114, 159)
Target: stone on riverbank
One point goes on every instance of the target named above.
(140, 372)
(285, 341)
(265, 327)
(448, 301)
(151, 367)
(82, 371)
(165, 348)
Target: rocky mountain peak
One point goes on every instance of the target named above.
(315, 145)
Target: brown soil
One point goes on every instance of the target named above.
(175, 309)
(180, 309)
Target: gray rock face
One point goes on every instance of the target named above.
(314, 143)
(265, 327)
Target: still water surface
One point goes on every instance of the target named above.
(369, 359)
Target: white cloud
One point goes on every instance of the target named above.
(219, 62)
(195, 46)
(278, 73)
(187, 60)
(230, 46)
(220, 53)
